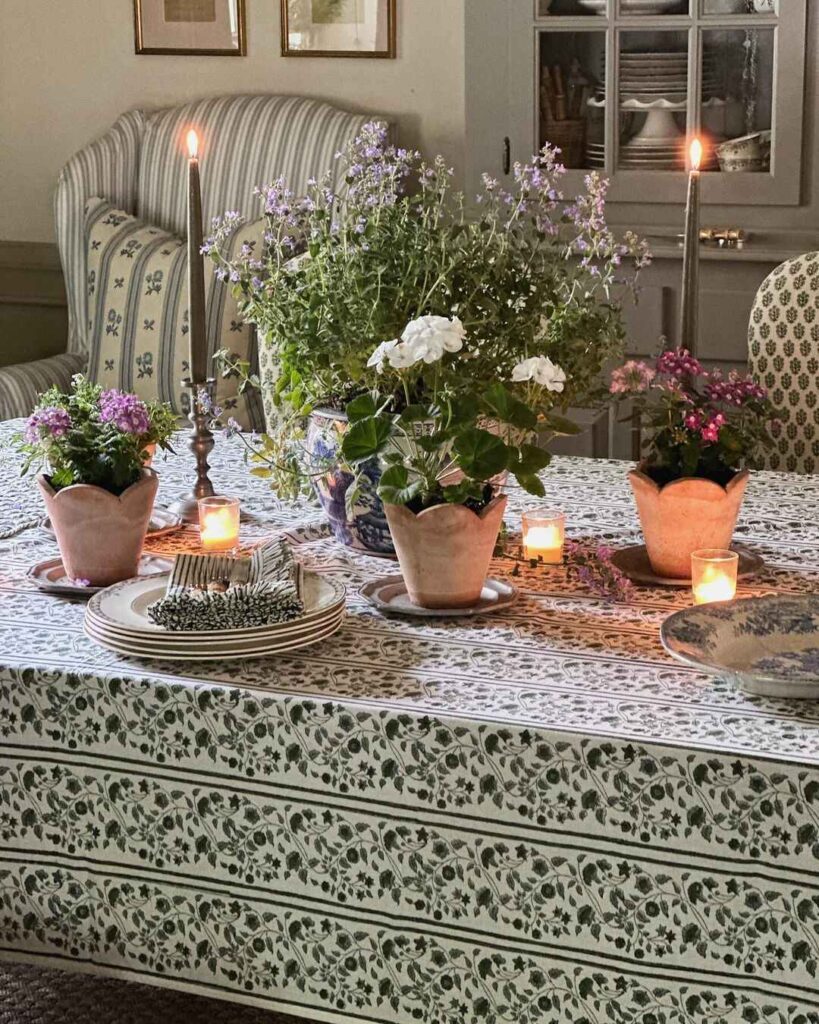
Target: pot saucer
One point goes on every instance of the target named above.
(633, 562)
(50, 576)
(389, 595)
(162, 521)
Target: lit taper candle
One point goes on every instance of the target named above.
(691, 253)
(196, 269)
(197, 382)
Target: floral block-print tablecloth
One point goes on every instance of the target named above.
(534, 817)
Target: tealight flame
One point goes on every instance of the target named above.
(696, 154)
(193, 144)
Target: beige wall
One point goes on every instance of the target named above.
(67, 68)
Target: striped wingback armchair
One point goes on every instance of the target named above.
(139, 166)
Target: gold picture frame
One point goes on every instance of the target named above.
(195, 28)
(320, 28)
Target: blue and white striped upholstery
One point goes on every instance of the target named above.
(245, 141)
(139, 166)
(21, 384)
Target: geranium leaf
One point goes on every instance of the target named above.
(360, 408)
(395, 487)
(366, 438)
(480, 454)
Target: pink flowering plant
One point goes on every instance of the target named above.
(697, 422)
(93, 436)
(385, 239)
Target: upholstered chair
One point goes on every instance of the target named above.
(783, 350)
(139, 168)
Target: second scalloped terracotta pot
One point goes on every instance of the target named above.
(444, 551)
(684, 516)
(100, 534)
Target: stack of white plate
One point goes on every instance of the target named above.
(635, 6)
(117, 618)
(663, 74)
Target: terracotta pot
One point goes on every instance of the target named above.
(150, 451)
(444, 551)
(100, 534)
(685, 515)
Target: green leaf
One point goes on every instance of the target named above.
(502, 404)
(366, 438)
(361, 407)
(532, 484)
(415, 414)
(395, 487)
(531, 459)
(480, 454)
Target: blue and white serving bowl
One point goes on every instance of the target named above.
(768, 646)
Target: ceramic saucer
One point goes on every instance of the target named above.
(389, 595)
(51, 577)
(161, 522)
(634, 563)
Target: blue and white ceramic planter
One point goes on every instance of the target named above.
(366, 529)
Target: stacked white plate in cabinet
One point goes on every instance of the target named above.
(117, 618)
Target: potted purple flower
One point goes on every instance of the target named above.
(702, 431)
(90, 448)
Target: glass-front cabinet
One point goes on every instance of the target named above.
(622, 86)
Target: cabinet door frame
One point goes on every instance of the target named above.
(782, 186)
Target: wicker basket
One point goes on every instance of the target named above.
(568, 135)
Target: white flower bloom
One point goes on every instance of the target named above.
(381, 354)
(542, 371)
(401, 356)
(428, 337)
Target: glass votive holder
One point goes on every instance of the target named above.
(714, 575)
(219, 523)
(543, 535)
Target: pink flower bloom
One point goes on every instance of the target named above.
(631, 378)
(693, 421)
(679, 363)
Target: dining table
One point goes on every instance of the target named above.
(525, 817)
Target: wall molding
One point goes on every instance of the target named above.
(33, 306)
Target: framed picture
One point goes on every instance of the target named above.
(338, 28)
(195, 27)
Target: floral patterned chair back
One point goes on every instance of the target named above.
(783, 350)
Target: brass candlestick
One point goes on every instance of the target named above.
(201, 445)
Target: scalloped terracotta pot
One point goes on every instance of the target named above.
(444, 551)
(100, 535)
(684, 516)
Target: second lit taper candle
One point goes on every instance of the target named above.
(197, 332)
(691, 254)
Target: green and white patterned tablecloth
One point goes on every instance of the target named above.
(529, 818)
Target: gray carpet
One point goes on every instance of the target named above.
(32, 995)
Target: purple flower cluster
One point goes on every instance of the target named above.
(679, 363)
(589, 562)
(52, 420)
(125, 411)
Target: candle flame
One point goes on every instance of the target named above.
(193, 144)
(696, 154)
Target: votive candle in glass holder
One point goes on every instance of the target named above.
(714, 575)
(219, 523)
(543, 535)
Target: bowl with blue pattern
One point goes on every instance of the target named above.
(769, 646)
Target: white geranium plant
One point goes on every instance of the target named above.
(448, 436)
(385, 238)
